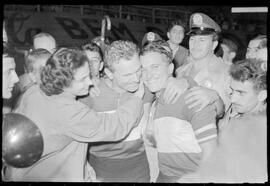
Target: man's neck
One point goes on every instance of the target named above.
(116, 88)
(202, 63)
(173, 46)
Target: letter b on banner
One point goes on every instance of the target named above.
(72, 28)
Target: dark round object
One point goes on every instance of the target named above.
(22, 141)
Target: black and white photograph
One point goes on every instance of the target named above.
(134, 93)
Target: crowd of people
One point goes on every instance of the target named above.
(155, 112)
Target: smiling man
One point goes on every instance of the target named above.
(209, 71)
(241, 156)
(182, 136)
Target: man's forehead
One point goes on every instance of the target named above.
(177, 27)
(152, 57)
(202, 36)
(92, 54)
(241, 86)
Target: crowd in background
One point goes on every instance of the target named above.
(115, 111)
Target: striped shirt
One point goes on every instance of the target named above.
(178, 132)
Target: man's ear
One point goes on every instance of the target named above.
(101, 64)
(108, 73)
(262, 95)
(168, 35)
(232, 55)
(170, 68)
(215, 44)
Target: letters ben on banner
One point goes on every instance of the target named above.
(69, 29)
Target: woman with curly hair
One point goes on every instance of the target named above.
(67, 125)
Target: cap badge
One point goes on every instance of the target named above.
(197, 19)
(150, 36)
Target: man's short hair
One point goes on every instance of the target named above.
(34, 56)
(263, 41)
(119, 50)
(252, 70)
(59, 70)
(178, 22)
(161, 47)
(92, 47)
(230, 44)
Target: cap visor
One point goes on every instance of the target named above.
(199, 32)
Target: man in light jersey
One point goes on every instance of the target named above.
(182, 136)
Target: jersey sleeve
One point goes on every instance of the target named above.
(203, 123)
(88, 126)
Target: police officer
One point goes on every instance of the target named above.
(209, 71)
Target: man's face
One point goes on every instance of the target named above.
(226, 53)
(81, 82)
(127, 73)
(176, 34)
(9, 77)
(201, 46)
(243, 97)
(155, 70)
(252, 49)
(95, 62)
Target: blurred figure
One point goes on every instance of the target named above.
(176, 34)
(34, 61)
(257, 48)
(95, 57)
(67, 126)
(46, 41)
(241, 156)
(229, 49)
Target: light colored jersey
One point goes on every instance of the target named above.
(177, 133)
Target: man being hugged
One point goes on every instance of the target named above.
(182, 136)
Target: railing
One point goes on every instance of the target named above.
(147, 14)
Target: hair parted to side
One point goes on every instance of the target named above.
(161, 47)
(92, 47)
(60, 68)
(252, 70)
(34, 56)
(178, 22)
(119, 50)
(262, 39)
